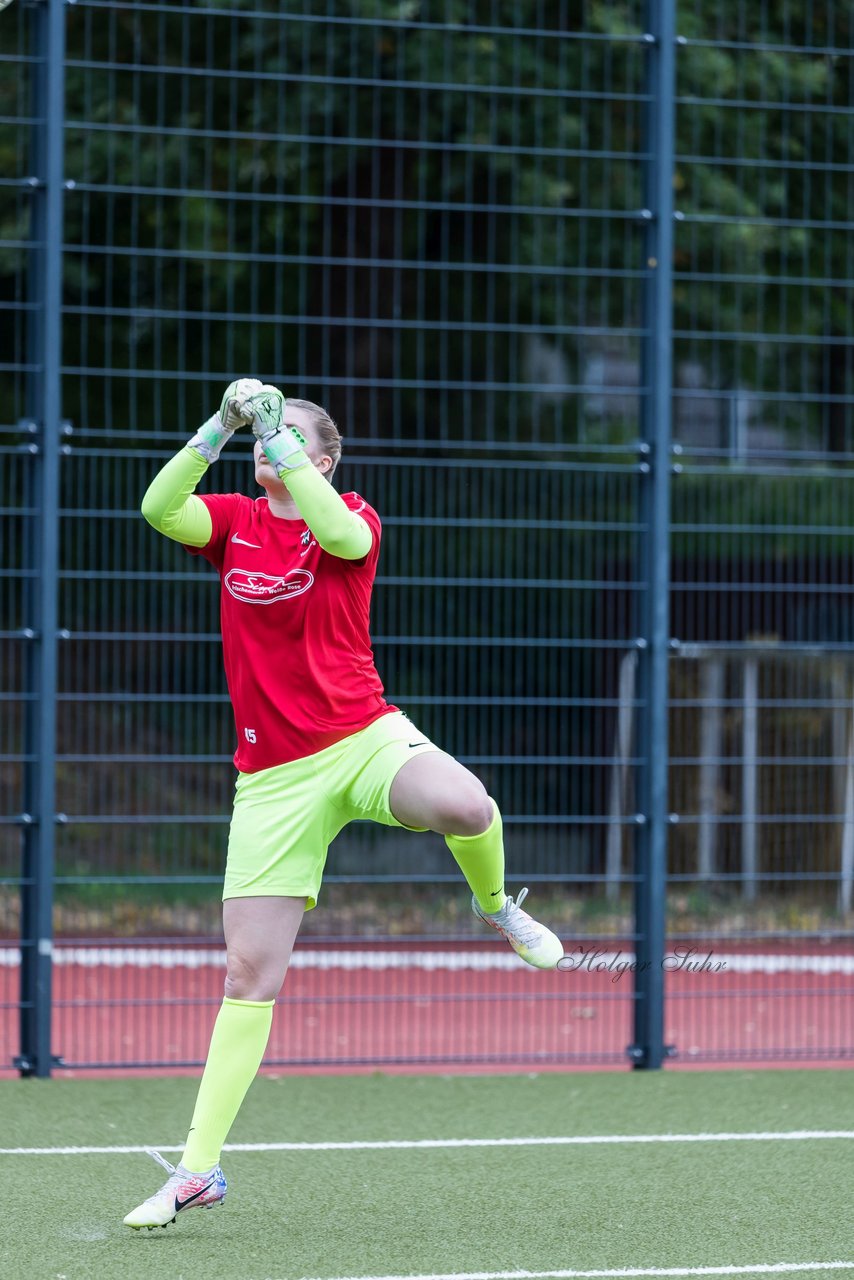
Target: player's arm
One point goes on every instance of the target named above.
(170, 505)
(337, 529)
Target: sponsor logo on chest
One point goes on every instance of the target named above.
(267, 588)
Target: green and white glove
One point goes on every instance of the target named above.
(235, 411)
(283, 445)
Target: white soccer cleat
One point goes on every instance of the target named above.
(531, 940)
(183, 1190)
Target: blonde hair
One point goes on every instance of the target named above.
(328, 435)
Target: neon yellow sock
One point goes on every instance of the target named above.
(481, 860)
(240, 1036)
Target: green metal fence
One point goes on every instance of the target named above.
(575, 281)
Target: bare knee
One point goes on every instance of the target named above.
(252, 978)
(259, 938)
(469, 811)
(435, 791)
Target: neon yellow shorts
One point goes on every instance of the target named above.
(285, 818)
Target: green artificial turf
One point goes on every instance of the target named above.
(351, 1213)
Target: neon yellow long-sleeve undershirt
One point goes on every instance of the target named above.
(338, 530)
(171, 507)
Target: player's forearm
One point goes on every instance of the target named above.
(170, 505)
(337, 529)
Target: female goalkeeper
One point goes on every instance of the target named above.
(317, 744)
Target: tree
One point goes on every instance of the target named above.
(385, 205)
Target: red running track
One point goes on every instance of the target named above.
(440, 1008)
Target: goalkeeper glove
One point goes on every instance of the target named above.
(234, 412)
(282, 444)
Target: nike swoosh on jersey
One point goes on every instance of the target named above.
(236, 538)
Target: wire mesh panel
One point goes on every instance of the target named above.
(146, 787)
(430, 223)
(761, 859)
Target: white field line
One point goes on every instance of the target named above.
(759, 1268)
(425, 1144)
(595, 961)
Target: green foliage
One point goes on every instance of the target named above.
(738, 513)
(220, 154)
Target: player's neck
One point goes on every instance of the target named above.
(283, 506)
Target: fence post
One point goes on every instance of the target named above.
(647, 1049)
(44, 405)
(620, 776)
(749, 805)
(846, 860)
(711, 725)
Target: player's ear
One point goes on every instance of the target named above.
(324, 464)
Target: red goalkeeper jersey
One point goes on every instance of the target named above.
(295, 631)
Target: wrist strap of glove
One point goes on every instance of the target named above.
(284, 450)
(210, 438)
